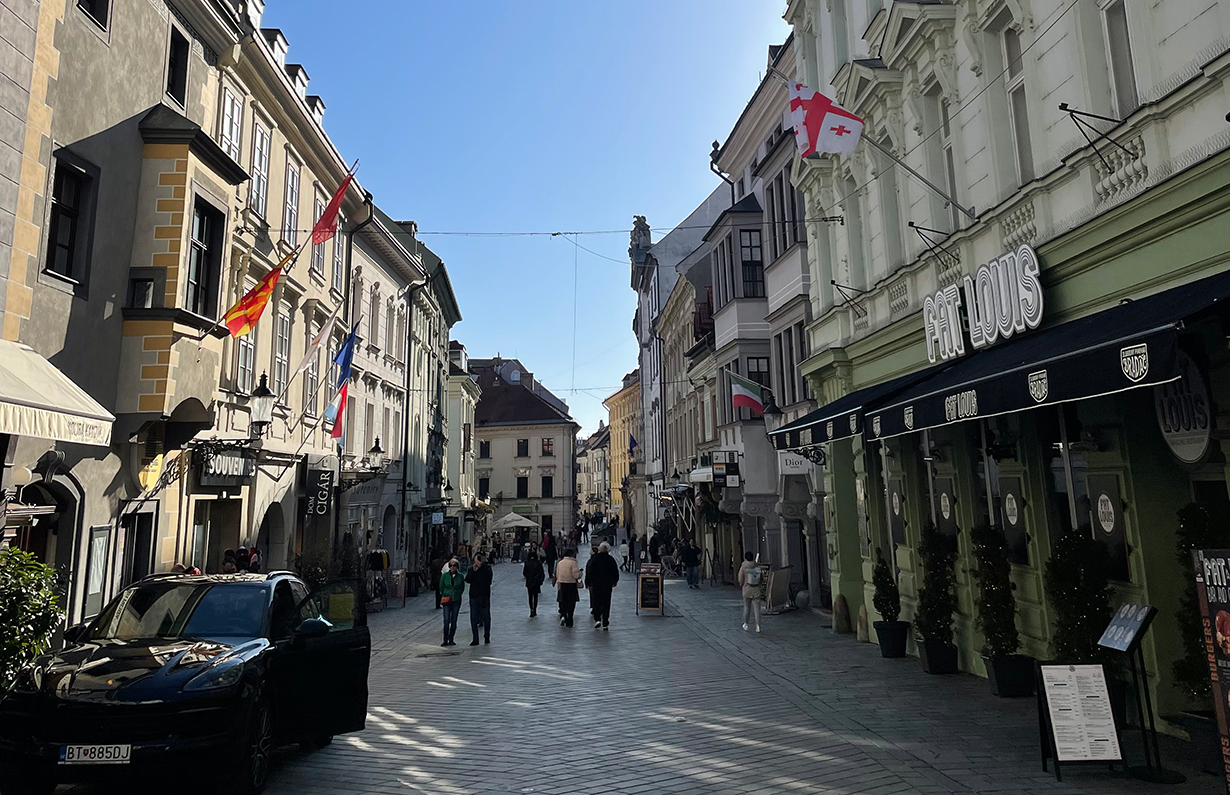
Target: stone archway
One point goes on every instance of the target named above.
(271, 539)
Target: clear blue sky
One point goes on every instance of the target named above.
(535, 116)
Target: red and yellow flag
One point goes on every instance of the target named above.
(242, 317)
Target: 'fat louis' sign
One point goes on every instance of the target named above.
(1002, 298)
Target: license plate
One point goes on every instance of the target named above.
(95, 754)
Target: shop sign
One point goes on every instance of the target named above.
(1013, 505)
(1107, 519)
(792, 464)
(228, 468)
(437, 517)
(1002, 298)
(946, 513)
(319, 492)
(1213, 594)
(1183, 413)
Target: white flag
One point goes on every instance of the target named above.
(820, 124)
(313, 348)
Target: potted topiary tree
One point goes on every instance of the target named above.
(936, 603)
(891, 633)
(1010, 674)
(1191, 671)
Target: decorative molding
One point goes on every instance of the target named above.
(898, 298)
(1019, 226)
(1126, 170)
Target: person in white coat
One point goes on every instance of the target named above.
(751, 577)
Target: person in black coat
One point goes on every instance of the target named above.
(479, 580)
(601, 576)
(534, 577)
(550, 552)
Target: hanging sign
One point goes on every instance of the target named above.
(1183, 412)
(792, 464)
(1002, 298)
(1213, 593)
(227, 468)
(1081, 721)
(1012, 505)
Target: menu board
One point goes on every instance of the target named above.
(1082, 724)
(1127, 627)
(1213, 593)
(649, 587)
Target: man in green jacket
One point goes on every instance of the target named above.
(452, 586)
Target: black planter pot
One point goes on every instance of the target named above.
(1011, 676)
(892, 636)
(1201, 727)
(938, 657)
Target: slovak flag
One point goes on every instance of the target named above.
(820, 124)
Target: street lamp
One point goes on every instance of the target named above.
(675, 477)
(375, 456)
(260, 404)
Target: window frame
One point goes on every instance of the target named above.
(211, 251)
(750, 265)
(291, 185)
(258, 192)
(547, 487)
(523, 444)
(64, 172)
(311, 377)
(230, 123)
(318, 249)
(548, 447)
(523, 487)
(1114, 64)
(245, 364)
(176, 80)
(1014, 87)
(103, 20)
(484, 448)
(281, 350)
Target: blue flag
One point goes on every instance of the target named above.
(631, 442)
(345, 356)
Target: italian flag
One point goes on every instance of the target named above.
(745, 394)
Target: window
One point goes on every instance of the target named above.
(369, 426)
(753, 263)
(68, 196)
(1119, 50)
(771, 213)
(484, 448)
(281, 351)
(98, 10)
(548, 447)
(523, 448)
(758, 369)
(523, 488)
(245, 364)
(258, 197)
(393, 445)
(339, 263)
(177, 67)
(318, 249)
(311, 379)
(547, 523)
(349, 421)
(290, 214)
(548, 487)
(889, 213)
(387, 426)
(854, 235)
(800, 337)
(232, 124)
(950, 167)
(373, 319)
(1018, 106)
(779, 187)
(389, 325)
(204, 260)
(484, 488)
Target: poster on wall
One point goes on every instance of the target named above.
(896, 507)
(1106, 514)
(945, 507)
(1213, 593)
(864, 532)
(1081, 720)
(1012, 519)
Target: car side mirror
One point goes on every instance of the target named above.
(312, 628)
(76, 633)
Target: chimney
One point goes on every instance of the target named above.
(317, 106)
(278, 43)
(254, 9)
(298, 77)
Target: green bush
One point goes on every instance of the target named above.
(887, 599)
(30, 610)
(996, 603)
(937, 596)
(1077, 584)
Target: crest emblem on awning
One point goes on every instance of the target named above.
(875, 425)
(1134, 360)
(1039, 386)
(853, 423)
(828, 430)
(909, 417)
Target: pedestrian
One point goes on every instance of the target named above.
(601, 576)
(449, 589)
(655, 549)
(567, 579)
(534, 577)
(479, 578)
(690, 555)
(589, 561)
(229, 564)
(550, 552)
(242, 559)
(751, 576)
(584, 532)
(254, 561)
(434, 572)
(623, 553)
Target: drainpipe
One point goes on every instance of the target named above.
(713, 166)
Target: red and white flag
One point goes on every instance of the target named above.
(820, 124)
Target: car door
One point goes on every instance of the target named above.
(334, 666)
(287, 675)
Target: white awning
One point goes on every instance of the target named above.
(38, 400)
(701, 475)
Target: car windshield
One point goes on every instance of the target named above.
(163, 609)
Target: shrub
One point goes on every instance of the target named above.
(1077, 584)
(30, 610)
(887, 599)
(996, 602)
(937, 597)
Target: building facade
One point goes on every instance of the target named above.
(594, 473)
(627, 460)
(463, 396)
(1065, 430)
(526, 446)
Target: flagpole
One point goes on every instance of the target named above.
(943, 195)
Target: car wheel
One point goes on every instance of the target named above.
(250, 770)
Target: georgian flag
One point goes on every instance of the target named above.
(745, 394)
(820, 124)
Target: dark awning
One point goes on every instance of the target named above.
(843, 417)
(1126, 347)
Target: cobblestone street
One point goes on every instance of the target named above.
(683, 704)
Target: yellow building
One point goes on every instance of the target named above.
(627, 479)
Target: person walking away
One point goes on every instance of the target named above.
(434, 571)
(751, 577)
(449, 589)
(534, 577)
(567, 578)
(479, 578)
(601, 577)
(589, 562)
(623, 553)
(691, 563)
(655, 549)
(550, 552)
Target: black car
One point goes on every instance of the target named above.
(202, 673)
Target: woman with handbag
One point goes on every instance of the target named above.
(452, 586)
(534, 577)
(567, 583)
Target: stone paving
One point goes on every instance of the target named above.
(688, 703)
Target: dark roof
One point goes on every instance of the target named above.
(513, 404)
(870, 63)
(453, 369)
(748, 204)
(163, 125)
(455, 345)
